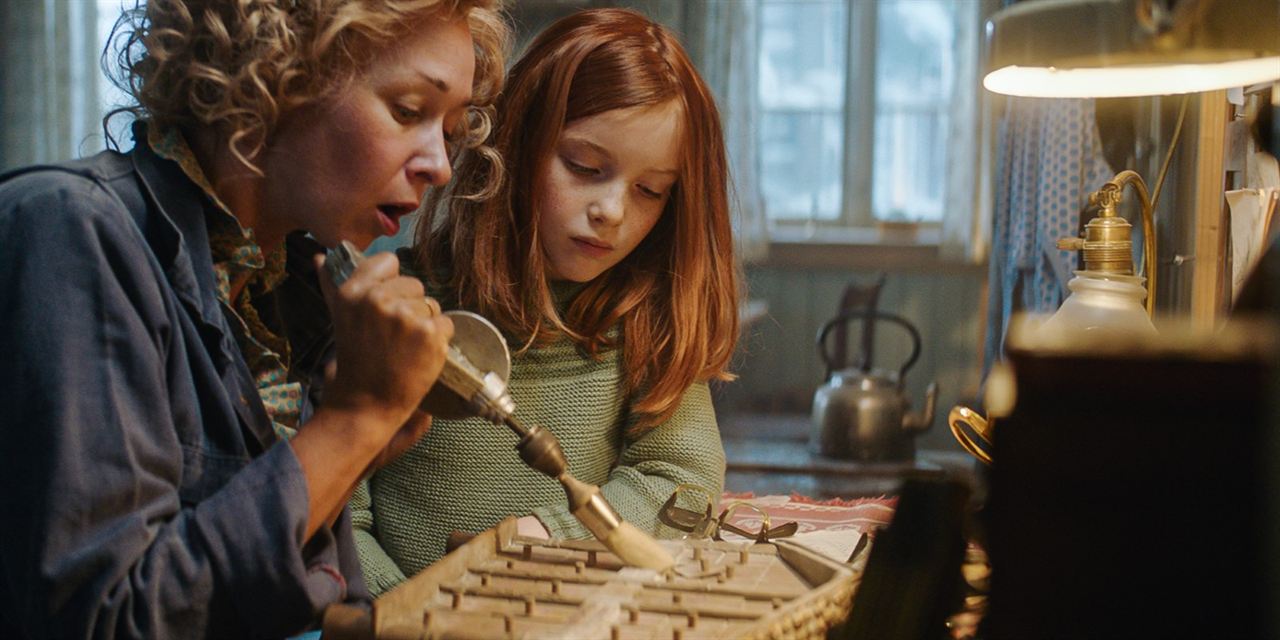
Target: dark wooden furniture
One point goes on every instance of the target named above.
(768, 454)
(856, 297)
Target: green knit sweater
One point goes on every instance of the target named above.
(465, 475)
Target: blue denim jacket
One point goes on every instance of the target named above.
(144, 493)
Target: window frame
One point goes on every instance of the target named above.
(855, 223)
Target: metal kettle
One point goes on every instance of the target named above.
(863, 413)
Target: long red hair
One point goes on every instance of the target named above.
(675, 297)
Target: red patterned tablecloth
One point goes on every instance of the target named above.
(860, 515)
(829, 526)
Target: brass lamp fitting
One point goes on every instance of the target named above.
(1106, 247)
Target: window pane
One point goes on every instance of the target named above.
(802, 52)
(801, 164)
(915, 44)
(801, 90)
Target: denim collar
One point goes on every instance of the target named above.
(179, 239)
(182, 244)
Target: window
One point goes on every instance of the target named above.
(857, 102)
(47, 88)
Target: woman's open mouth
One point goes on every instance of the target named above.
(389, 215)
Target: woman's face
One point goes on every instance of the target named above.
(350, 167)
(604, 187)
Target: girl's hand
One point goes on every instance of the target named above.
(531, 526)
(391, 344)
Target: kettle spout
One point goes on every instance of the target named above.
(917, 422)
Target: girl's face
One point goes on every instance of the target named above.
(352, 166)
(605, 186)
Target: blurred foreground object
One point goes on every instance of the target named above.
(1132, 485)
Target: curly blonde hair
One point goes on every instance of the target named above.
(239, 65)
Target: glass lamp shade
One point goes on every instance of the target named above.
(1115, 48)
(1101, 306)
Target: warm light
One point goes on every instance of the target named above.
(1128, 81)
(1128, 48)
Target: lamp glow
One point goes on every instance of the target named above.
(1129, 48)
(1130, 81)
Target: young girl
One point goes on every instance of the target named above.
(607, 260)
(149, 356)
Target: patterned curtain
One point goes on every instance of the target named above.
(1050, 158)
(721, 37)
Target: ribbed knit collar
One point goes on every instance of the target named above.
(564, 291)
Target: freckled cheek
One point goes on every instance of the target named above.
(359, 140)
(630, 241)
(354, 150)
(552, 206)
(641, 231)
(553, 188)
(372, 163)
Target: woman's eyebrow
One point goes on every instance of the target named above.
(440, 84)
(434, 81)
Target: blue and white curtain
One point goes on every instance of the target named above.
(1049, 157)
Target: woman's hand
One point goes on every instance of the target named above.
(391, 344)
(418, 425)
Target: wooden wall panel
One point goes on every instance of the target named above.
(1210, 284)
(778, 364)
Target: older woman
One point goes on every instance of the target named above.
(163, 474)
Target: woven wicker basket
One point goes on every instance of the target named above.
(500, 585)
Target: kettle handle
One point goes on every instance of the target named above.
(869, 317)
